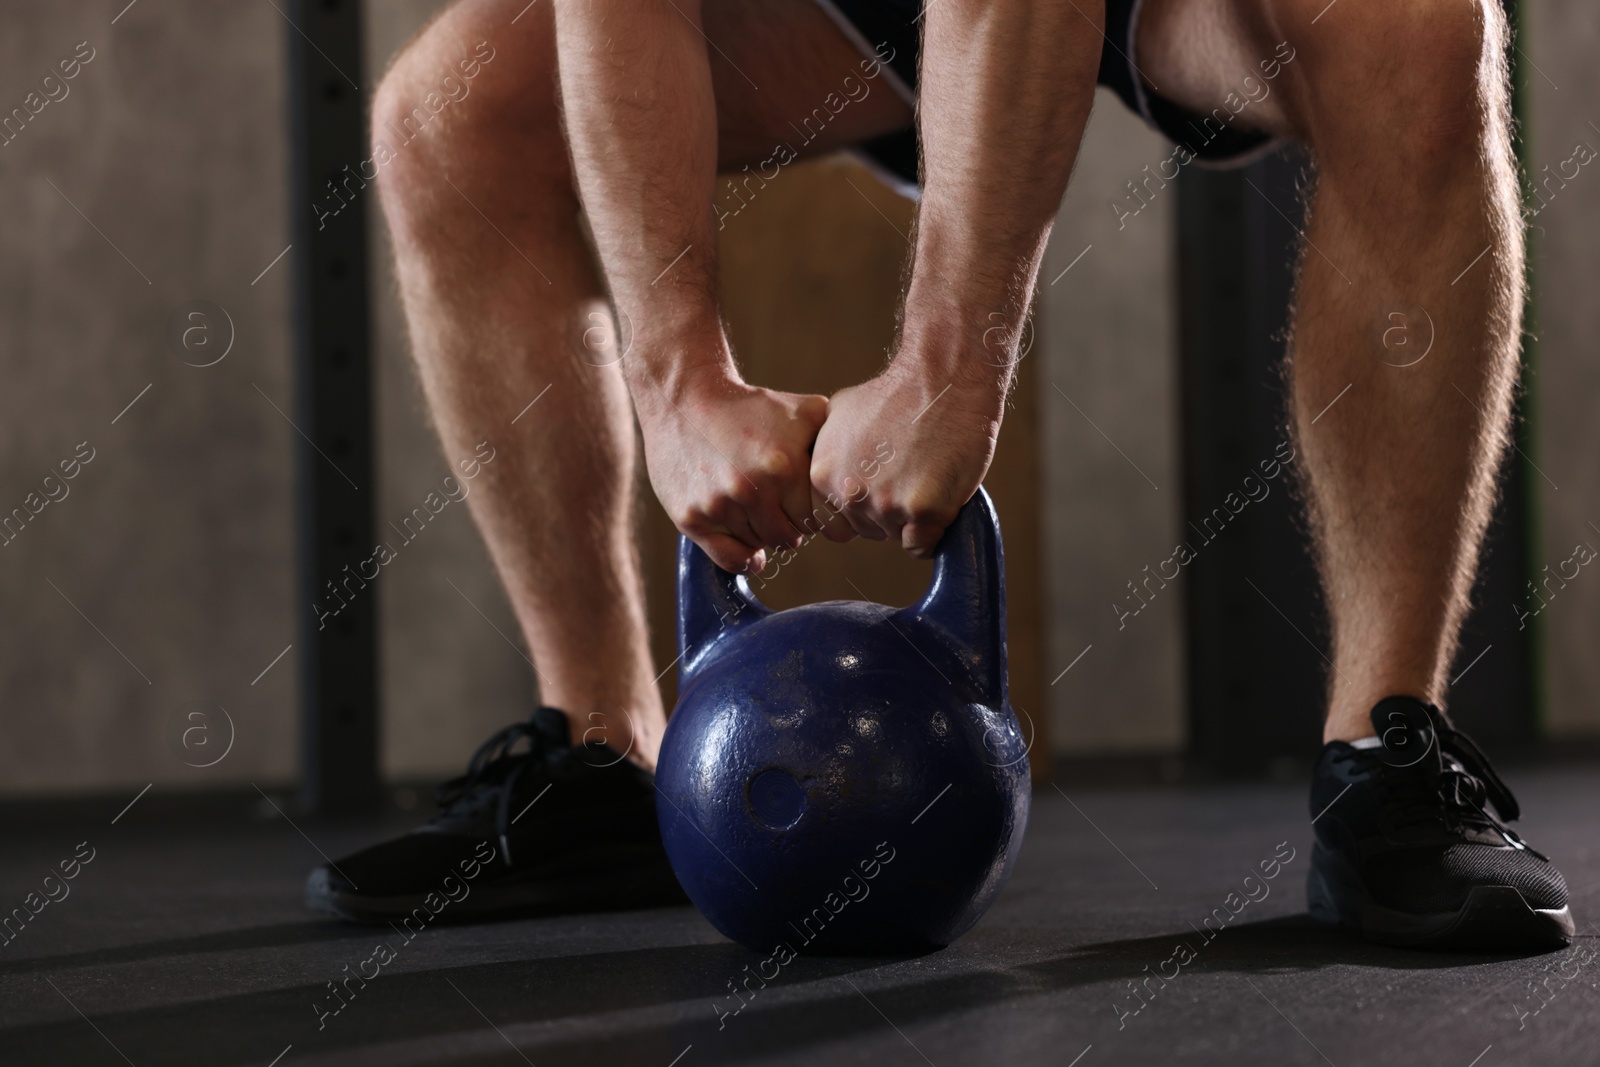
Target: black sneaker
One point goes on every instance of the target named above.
(552, 828)
(1407, 853)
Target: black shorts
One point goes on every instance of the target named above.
(889, 29)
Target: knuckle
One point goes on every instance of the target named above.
(774, 465)
(718, 511)
(740, 492)
(691, 520)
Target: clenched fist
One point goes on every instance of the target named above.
(731, 463)
(940, 437)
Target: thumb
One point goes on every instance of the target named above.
(812, 410)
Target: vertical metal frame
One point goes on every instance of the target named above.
(336, 491)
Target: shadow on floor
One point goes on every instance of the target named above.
(1291, 944)
(278, 935)
(692, 981)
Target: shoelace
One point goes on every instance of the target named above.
(495, 766)
(1461, 776)
(1470, 770)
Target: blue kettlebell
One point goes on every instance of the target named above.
(845, 777)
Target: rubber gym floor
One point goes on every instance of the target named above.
(182, 942)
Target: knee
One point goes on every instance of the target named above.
(451, 102)
(1421, 81)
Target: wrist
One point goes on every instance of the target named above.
(672, 367)
(971, 350)
(967, 307)
(681, 390)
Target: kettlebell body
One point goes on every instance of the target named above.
(846, 777)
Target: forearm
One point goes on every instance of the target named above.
(641, 123)
(1006, 91)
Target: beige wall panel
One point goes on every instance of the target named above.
(162, 577)
(1112, 495)
(1562, 37)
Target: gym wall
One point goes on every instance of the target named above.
(159, 583)
(1109, 408)
(1562, 37)
(162, 576)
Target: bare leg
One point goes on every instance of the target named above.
(1415, 182)
(505, 307)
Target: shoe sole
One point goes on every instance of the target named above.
(537, 892)
(1493, 917)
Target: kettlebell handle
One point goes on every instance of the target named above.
(967, 598)
(965, 604)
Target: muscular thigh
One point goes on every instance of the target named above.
(773, 62)
(1196, 52)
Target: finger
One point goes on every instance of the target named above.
(729, 517)
(731, 554)
(797, 513)
(779, 474)
(828, 520)
(772, 514)
(921, 538)
(863, 522)
(738, 526)
(772, 525)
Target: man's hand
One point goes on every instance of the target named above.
(1000, 121)
(731, 463)
(901, 453)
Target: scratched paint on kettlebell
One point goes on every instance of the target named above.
(818, 732)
